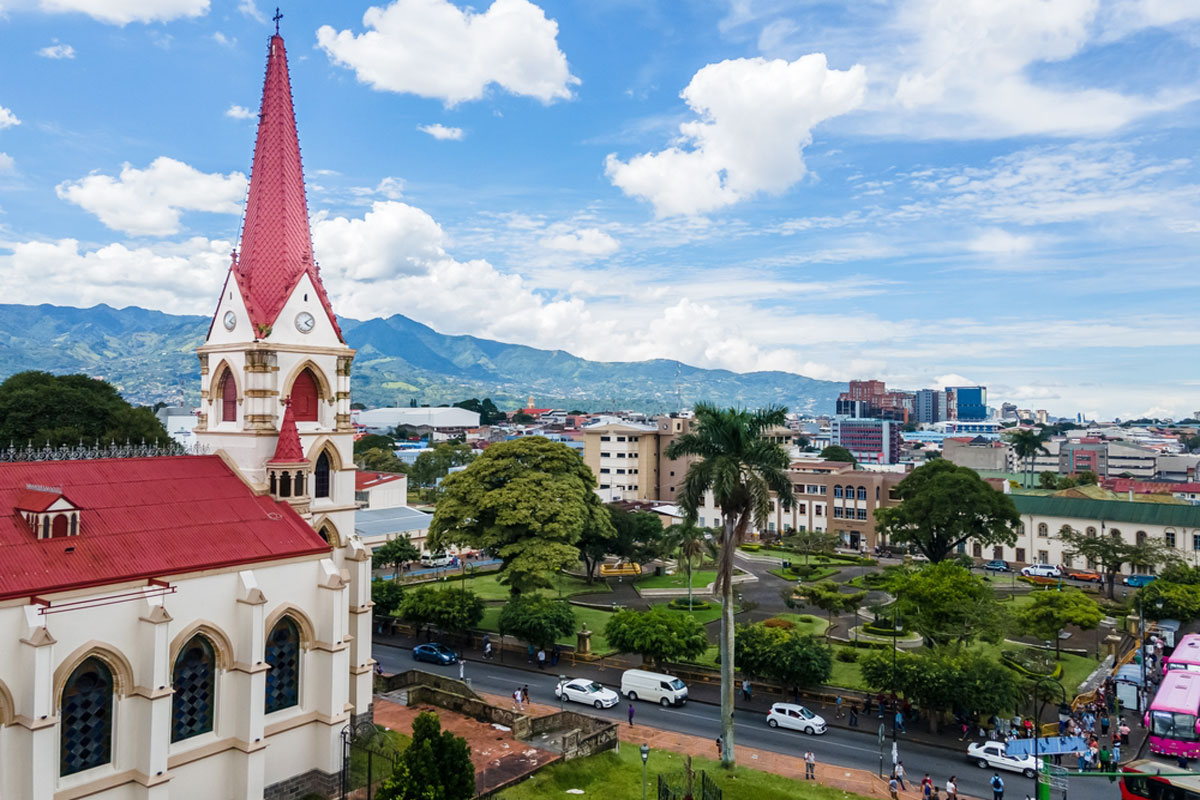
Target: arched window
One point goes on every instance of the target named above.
(1043, 529)
(321, 476)
(304, 397)
(837, 491)
(228, 398)
(298, 489)
(283, 654)
(1114, 533)
(195, 681)
(862, 493)
(1091, 533)
(1141, 537)
(59, 526)
(328, 535)
(87, 718)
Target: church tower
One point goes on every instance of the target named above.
(275, 370)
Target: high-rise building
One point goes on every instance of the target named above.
(970, 402)
(875, 441)
(870, 399)
(930, 406)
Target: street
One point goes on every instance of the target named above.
(841, 747)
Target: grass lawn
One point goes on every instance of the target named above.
(700, 579)
(595, 618)
(702, 615)
(807, 623)
(819, 574)
(358, 759)
(848, 676)
(619, 777)
(488, 586)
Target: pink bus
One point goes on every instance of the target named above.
(1173, 715)
(1185, 656)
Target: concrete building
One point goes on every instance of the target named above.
(930, 406)
(380, 489)
(871, 399)
(969, 402)
(448, 419)
(378, 526)
(979, 453)
(624, 458)
(869, 440)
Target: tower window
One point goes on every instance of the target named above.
(87, 718)
(285, 484)
(228, 397)
(304, 397)
(299, 487)
(321, 476)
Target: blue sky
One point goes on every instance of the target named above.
(927, 191)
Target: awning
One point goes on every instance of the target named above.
(1048, 746)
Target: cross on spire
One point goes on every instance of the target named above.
(277, 17)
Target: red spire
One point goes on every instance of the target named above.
(276, 246)
(288, 449)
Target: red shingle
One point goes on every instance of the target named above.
(288, 449)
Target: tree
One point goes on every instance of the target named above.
(1026, 444)
(656, 635)
(386, 595)
(450, 610)
(742, 469)
(377, 459)
(639, 534)
(1051, 611)
(835, 452)
(372, 441)
(436, 765)
(1111, 552)
(528, 501)
(433, 465)
(521, 418)
(943, 505)
(688, 542)
(1166, 600)
(809, 542)
(826, 596)
(1086, 478)
(946, 603)
(1065, 482)
(487, 411)
(395, 553)
(788, 656)
(1048, 480)
(39, 408)
(536, 619)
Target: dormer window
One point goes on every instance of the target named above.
(48, 513)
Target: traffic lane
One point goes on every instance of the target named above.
(839, 747)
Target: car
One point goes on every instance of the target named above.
(1139, 580)
(1083, 575)
(654, 687)
(997, 565)
(436, 559)
(590, 693)
(796, 717)
(1042, 571)
(435, 653)
(992, 755)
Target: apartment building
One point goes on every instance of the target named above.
(874, 441)
(624, 458)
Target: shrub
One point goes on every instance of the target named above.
(1032, 662)
(681, 604)
(1039, 580)
(807, 619)
(802, 570)
(751, 548)
(875, 579)
(882, 629)
(846, 655)
(777, 622)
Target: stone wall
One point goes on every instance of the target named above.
(312, 782)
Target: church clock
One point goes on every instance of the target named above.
(230, 320)
(305, 322)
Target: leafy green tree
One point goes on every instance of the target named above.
(741, 469)
(1179, 572)
(1065, 482)
(521, 418)
(835, 452)
(1026, 444)
(826, 596)
(811, 543)
(435, 766)
(434, 464)
(1086, 478)
(1111, 552)
(635, 536)
(450, 610)
(687, 541)
(379, 459)
(528, 501)
(1048, 480)
(943, 505)
(947, 603)
(38, 408)
(656, 635)
(395, 553)
(487, 411)
(386, 595)
(536, 618)
(787, 656)
(1164, 599)
(1050, 611)
(372, 441)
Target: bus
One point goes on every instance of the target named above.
(1157, 779)
(1185, 656)
(1174, 716)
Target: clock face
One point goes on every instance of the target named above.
(305, 322)
(230, 320)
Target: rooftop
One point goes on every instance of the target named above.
(1183, 515)
(382, 521)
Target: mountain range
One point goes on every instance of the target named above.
(149, 356)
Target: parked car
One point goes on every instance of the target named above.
(796, 717)
(997, 565)
(1139, 580)
(434, 653)
(1083, 575)
(436, 559)
(667, 690)
(590, 693)
(1042, 571)
(992, 755)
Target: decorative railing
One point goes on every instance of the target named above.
(81, 451)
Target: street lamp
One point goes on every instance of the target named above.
(1037, 724)
(562, 682)
(645, 750)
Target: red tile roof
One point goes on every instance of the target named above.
(288, 449)
(367, 480)
(143, 518)
(276, 242)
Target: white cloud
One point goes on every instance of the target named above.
(755, 118)
(432, 48)
(122, 12)
(224, 40)
(388, 188)
(150, 201)
(7, 118)
(1001, 243)
(240, 112)
(440, 131)
(585, 241)
(6, 163)
(250, 9)
(57, 51)
(953, 379)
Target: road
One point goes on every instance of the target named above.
(839, 746)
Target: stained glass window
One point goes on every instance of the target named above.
(87, 718)
(283, 654)
(321, 476)
(195, 682)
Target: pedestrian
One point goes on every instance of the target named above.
(997, 786)
(720, 747)
(899, 772)
(1116, 753)
(555, 655)
(892, 786)
(854, 716)
(1104, 723)
(541, 658)
(952, 788)
(1182, 761)
(746, 689)
(810, 765)
(927, 787)
(525, 693)
(899, 722)
(378, 668)
(631, 715)
(966, 731)
(517, 704)
(1123, 729)
(529, 653)
(1105, 760)
(838, 702)
(487, 650)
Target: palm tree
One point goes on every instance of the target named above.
(1026, 444)
(688, 541)
(741, 469)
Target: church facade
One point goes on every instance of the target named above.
(199, 626)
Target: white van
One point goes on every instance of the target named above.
(436, 559)
(1042, 571)
(637, 684)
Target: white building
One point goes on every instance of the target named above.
(380, 489)
(382, 420)
(378, 526)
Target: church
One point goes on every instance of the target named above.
(197, 627)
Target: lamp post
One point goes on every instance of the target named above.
(562, 682)
(1037, 727)
(645, 751)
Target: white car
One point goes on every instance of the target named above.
(590, 693)
(992, 755)
(790, 715)
(1042, 571)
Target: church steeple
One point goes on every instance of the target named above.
(276, 248)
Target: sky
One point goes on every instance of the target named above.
(931, 192)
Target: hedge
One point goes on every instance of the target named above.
(681, 604)
(882, 631)
(1007, 660)
(750, 548)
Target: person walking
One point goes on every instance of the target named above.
(892, 787)
(517, 704)
(899, 772)
(854, 716)
(810, 765)
(926, 787)
(997, 786)
(720, 746)
(631, 715)
(525, 692)
(898, 721)
(1116, 752)
(952, 788)
(838, 702)
(529, 653)
(487, 650)
(746, 689)
(1123, 729)
(541, 658)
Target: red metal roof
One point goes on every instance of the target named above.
(367, 480)
(37, 499)
(143, 518)
(288, 449)
(276, 242)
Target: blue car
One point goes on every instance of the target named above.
(1139, 580)
(434, 653)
